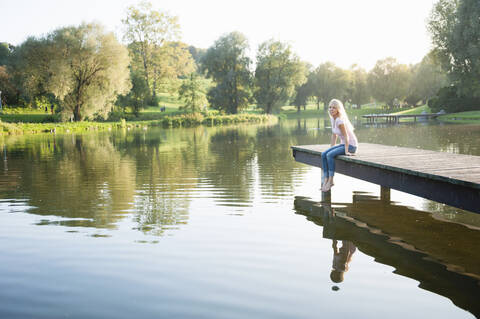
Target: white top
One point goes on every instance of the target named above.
(352, 139)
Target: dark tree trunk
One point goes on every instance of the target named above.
(269, 108)
(76, 113)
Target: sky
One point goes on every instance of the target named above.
(345, 32)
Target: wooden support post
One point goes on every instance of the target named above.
(327, 197)
(384, 194)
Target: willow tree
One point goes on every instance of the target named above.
(84, 67)
(277, 74)
(89, 71)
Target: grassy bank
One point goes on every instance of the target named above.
(184, 120)
(312, 112)
(471, 117)
(415, 110)
(169, 115)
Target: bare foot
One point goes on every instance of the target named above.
(326, 187)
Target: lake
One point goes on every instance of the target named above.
(221, 222)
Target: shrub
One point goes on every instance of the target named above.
(192, 119)
(447, 99)
(167, 122)
(208, 121)
(154, 101)
(115, 116)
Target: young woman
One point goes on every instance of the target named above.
(341, 127)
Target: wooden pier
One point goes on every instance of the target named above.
(448, 178)
(392, 118)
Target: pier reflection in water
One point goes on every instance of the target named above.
(441, 255)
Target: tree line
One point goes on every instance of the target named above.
(86, 73)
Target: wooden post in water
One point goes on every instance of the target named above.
(384, 194)
(327, 197)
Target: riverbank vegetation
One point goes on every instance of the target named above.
(470, 117)
(84, 73)
(167, 121)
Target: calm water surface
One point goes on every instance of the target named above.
(223, 223)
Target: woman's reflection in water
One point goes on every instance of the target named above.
(341, 256)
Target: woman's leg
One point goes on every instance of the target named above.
(327, 178)
(339, 150)
(324, 160)
(334, 152)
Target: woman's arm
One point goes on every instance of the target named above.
(333, 140)
(345, 135)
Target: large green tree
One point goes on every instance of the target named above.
(148, 32)
(427, 78)
(227, 63)
(328, 81)
(455, 29)
(171, 61)
(277, 74)
(301, 96)
(84, 67)
(197, 55)
(358, 90)
(9, 93)
(136, 97)
(31, 69)
(389, 81)
(5, 52)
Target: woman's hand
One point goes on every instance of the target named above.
(349, 154)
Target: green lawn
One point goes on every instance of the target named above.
(172, 108)
(470, 117)
(312, 112)
(415, 110)
(28, 118)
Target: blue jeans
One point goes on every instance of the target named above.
(328, 158)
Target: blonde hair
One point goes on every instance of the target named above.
(341, 110)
